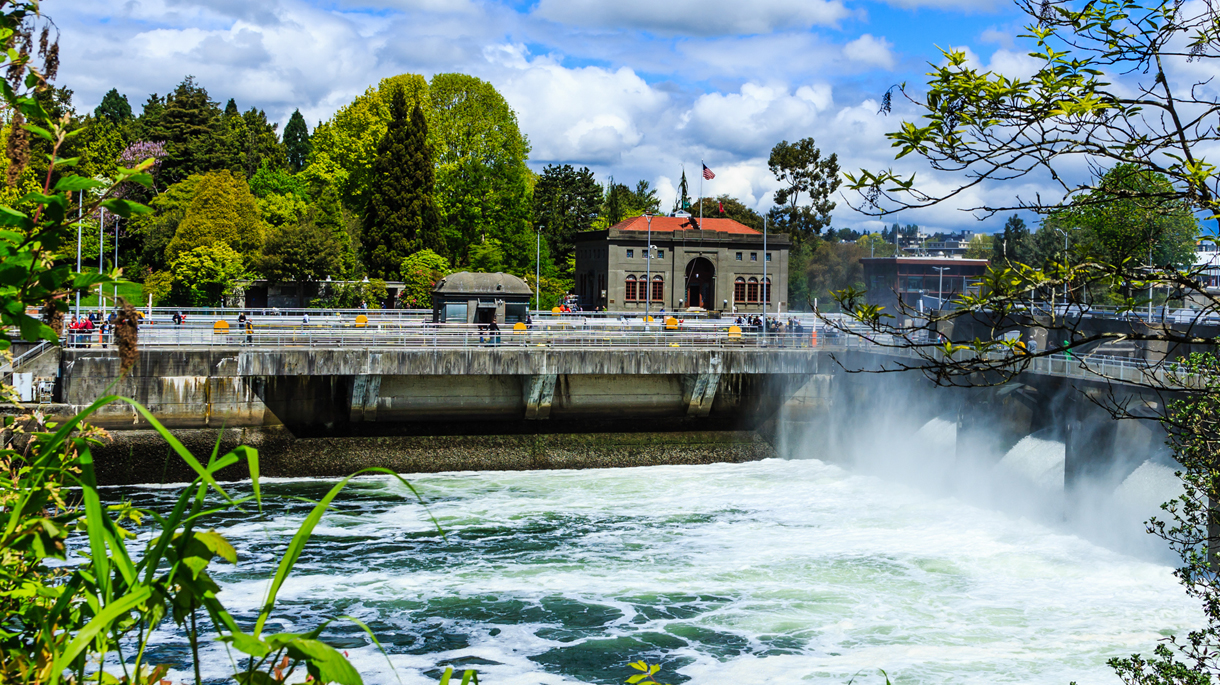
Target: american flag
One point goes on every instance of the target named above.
(707, 173)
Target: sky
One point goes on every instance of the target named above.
(634, 89)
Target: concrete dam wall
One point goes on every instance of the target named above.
(330, 412)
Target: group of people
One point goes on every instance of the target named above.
(80, 328)
(771, 325)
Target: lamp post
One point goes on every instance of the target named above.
(80, 216)
(940, 289)
(538, 270)
(101, 254)
(648, 277)
(766, 291)
(1065, 260)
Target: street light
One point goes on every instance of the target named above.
(648, 278)
(940, 289)
(538, 270)
(1065, 261)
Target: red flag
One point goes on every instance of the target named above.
(707, 173)
(720, 205)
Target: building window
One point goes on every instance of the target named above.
(739, 288)
(739, 256)
(658, 289)
(752, 290)
(660, 254)
(767, 295)
(629, 295)
(630, 254)
(768, 256)
(753, 256)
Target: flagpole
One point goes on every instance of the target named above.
(702, 166)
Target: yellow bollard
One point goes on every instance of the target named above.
(734, 332)
(220, 328)
(362, 321)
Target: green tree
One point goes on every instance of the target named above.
(348, 142)
(834, 266)
(269, 180)
(733, 209)
(420, 272)
(343, 227)
(875, 245)
(400, 218)
(157, 229)
(114, 108)
(803, 173)
(296, 142)
(1131, 215)
(222, 210)
(482, 182)
(566, 202)
(487, 256)
(205, 274)
(301, 252)
(99, 144)
(1014, 244)
(191, 126)
(260, 145)
(981, 246)
(282, 210)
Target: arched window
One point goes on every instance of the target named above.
(767, 294)
(658, 289)
(739, 290)
(629, 296)
(752, 290)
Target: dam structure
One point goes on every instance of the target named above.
(326, 401)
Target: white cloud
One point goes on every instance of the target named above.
(589, 115)
(755, 118)
(870, 50)
(696, 17)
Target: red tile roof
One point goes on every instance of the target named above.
(669, 224)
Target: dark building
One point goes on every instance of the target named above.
(723, 266)
(932, 279)
(467, 297)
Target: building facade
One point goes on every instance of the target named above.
(481, 298)
(930, 280)
(716, 265)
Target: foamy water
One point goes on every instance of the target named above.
(774, 571)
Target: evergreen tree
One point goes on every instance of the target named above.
(231, 108)
(1014, 244)
(191, 127)
(296, 142)
(222, 210)
(146, 126)
(262, 143)
(400, 218)
(682, 203)
(566, 202)
(114, 108)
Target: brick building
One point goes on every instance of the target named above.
(715, 265)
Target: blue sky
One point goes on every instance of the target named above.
(632, 88)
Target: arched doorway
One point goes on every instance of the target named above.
(700, 277)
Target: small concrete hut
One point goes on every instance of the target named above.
(467, 297)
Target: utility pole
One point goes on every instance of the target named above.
(648, 278)
(101, 254)
(766, 290)
(940, 289)
(538, 271)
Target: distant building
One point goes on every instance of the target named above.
(914, 278)
(1207, 262)
(715, 265)
(467, 297)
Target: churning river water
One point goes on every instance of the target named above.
(773, 571)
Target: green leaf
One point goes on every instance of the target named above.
(102, 621)
(125, 208)
(247, 644)
(324, 662)
(74, 183)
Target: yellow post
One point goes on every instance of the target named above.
(362, 321)
(220, 328)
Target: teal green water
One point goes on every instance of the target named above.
(774, 571)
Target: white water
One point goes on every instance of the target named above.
(774, 571)
(1037, 461)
